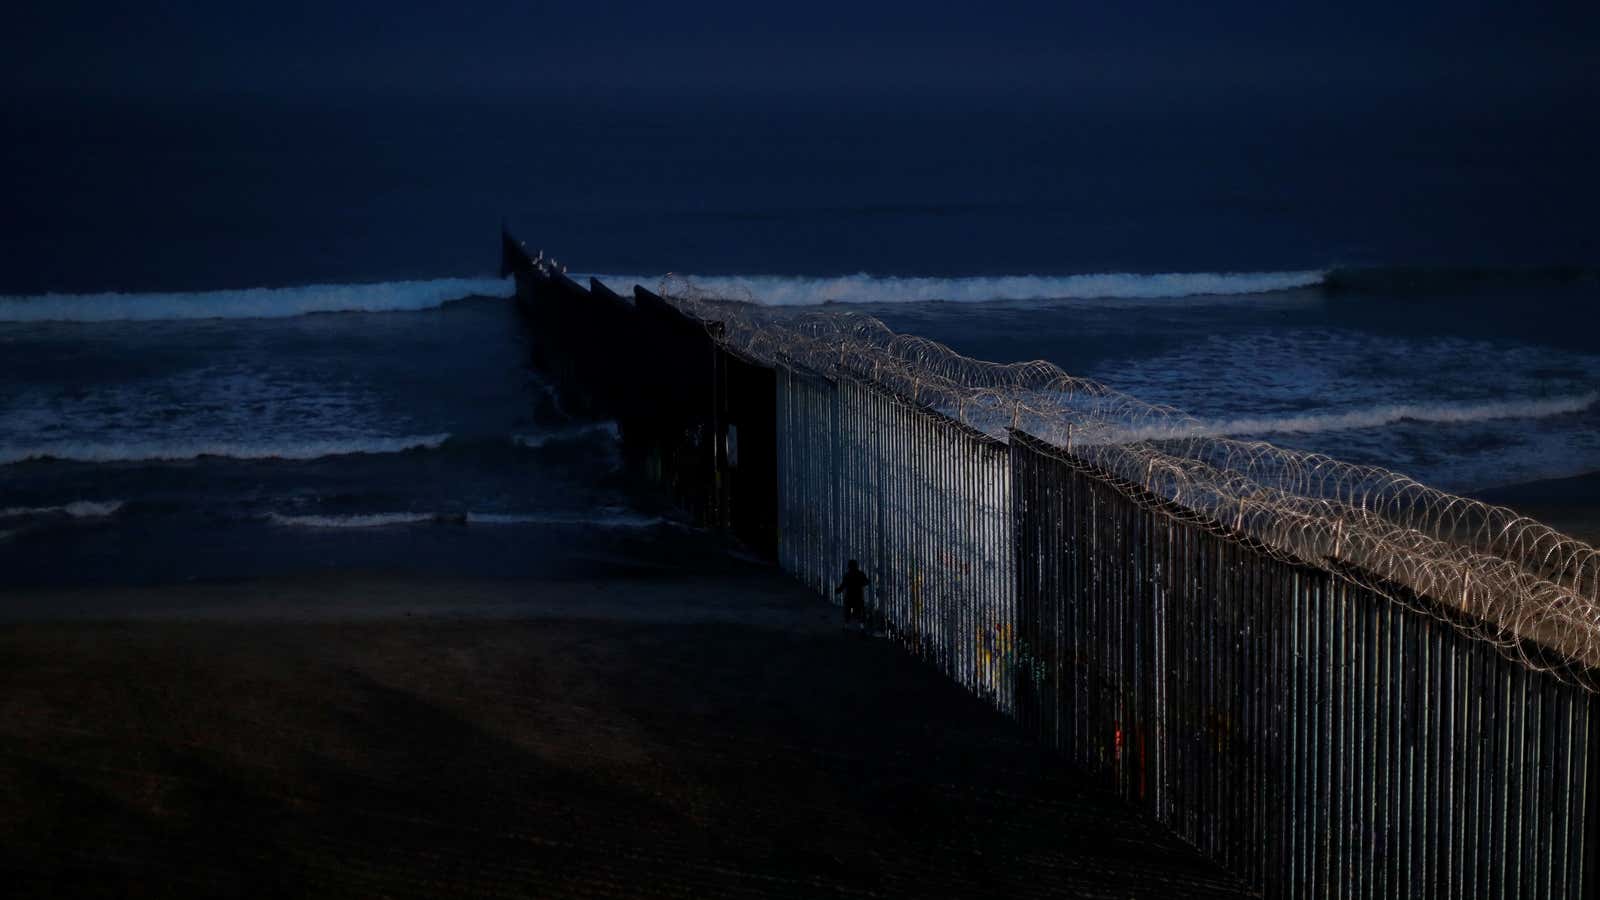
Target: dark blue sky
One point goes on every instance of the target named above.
(295, 141)
(1462, 54)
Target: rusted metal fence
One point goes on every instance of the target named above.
(1315, 730)
(811, 542)
(747, 398)
(924, 503)
(1312, 736)
(700, 428)
(921, 501)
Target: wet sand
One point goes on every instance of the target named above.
(1569, 505)
(364, 735)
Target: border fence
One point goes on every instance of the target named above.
(1318, 721)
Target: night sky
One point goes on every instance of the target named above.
(205, 144)
(1464, 55)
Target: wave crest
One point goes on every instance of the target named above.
(78, 509)
(248, 303)
(607, 519)
(367, 520)
(563, 435)
(181, 450)
(1374, 417)
(614, 519)
(781, 290)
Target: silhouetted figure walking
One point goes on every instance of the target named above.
(854, 588)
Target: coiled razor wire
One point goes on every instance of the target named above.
(1500, 576)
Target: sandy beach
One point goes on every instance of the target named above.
(1570, 505)
(364, 735)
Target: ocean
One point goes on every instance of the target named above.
(256, 338)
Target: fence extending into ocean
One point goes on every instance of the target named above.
(1331, 680)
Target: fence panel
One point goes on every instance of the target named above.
(1311, 734)
(810, 471)
(1315, 730)
(921, 501)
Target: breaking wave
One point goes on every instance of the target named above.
(1374, 417)
(81, 509)
(575, 433)
(368, 520)
(771, 290)
(615, 519)
(780, 290)
(80, 451)
(618, 519)
(249, 303)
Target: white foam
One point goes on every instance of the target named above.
(606, 519)
(249, 303)
(151, 451)
(781, 290)
(1375, 417)
(79, 509)
(577, 432)
(609, 520)
(371, 520)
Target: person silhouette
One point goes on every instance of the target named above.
(854, 589)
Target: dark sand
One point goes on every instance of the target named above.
(1569, 505)
(368, 736)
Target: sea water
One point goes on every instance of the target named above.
(257, 339)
